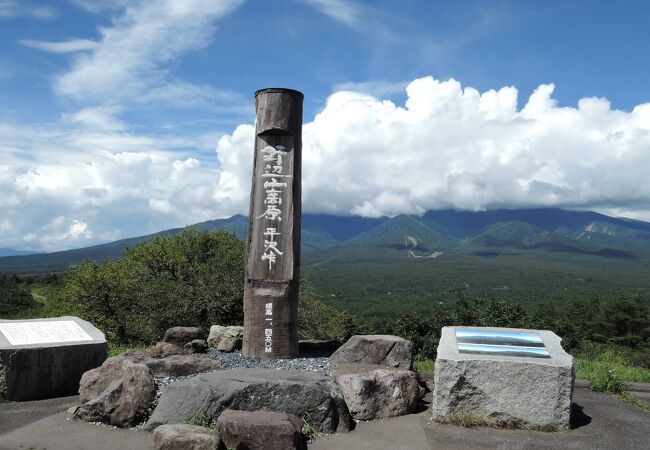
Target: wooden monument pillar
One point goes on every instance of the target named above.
(273, 244)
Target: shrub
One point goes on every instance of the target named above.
(13, 297)
(191, 279)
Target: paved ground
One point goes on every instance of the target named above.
(60, 432)
(603, 423)
(16, 414)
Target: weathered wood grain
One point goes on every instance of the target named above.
(271, 287)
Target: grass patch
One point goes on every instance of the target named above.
(117, 349)
(473, 420)
(608, 372)
(547, 428)
(424, 365)
(608, 364)
(200, 418)
(308, 428)
(467, 421)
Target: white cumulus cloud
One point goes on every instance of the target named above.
(91, 178)
(88, 180)
(451, 146)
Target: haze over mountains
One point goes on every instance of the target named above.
(436, 234)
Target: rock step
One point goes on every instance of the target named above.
(263, 430)
(313, 396)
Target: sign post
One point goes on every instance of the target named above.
(273, 244)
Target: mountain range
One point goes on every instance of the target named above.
(435, 234)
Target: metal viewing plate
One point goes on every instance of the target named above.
(504, 350)
(498, 337)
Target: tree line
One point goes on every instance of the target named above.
(196, 278)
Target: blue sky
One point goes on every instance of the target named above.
(111, 112)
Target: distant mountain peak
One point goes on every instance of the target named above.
(436, 234)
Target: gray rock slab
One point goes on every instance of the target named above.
(129, 387)
(384, 350)
(45, 358)
(524, 392)
(169, 360)
(377, 392)
(185, 437)
(301, 393)
(198, 346)
(226, 339)
(265, 430)
(182, 335)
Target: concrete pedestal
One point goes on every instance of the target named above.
(45, 358)
(509, 391)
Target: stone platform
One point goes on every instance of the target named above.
(603, 423)
(45, 358)
(499, 389)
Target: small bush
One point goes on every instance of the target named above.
(14, 298)
(595, 361)
(606, 380)
(191, 279)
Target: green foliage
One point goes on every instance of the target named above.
(151, 406)
(424, 329)
(619, 322)
(308, 428)
(632, 400)
(373, 282)
(14, 298)
(200, 419)
(190, 279)
(316, 320)
(116, 349)
(607, 381)
(602, 364)
(424, 365)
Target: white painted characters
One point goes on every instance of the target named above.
(274, 188)
(271, 250)
(268, 340)
(268, 332)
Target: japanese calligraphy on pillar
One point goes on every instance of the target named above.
(274, 186)
(271, 240)
(273, 245)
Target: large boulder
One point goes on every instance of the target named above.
(502, 389)
(261, 430)
(95, 381)
(382, 350)
(226, 339)
(45, 358)
(185, 437)
(196, 346)
(181, 335)
(169, 360)
(126, 398)
(302, 393)
(377, 392)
